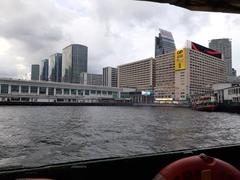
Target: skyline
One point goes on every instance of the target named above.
(115, 32)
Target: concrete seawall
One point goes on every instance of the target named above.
(62, 104)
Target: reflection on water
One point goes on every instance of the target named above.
(32, 136)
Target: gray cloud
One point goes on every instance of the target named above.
(116, 32)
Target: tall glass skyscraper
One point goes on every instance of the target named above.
(35, 72)
(225, 46)
(164, 43)
(44, 70)
(55, 67)
(74, 61)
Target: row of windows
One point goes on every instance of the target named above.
(236, 99)
(234, 91)
(43, 90)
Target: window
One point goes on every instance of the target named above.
(104, 92)
(109, 92)
(93, 92)
(4, 88)
(14, 88)
(51, 91)
(98, 92)
(80, 92)
(59, 91)
(66, 91)
(42, 90)
(24, 89)
(86, 92)
(33, 89)
(73, 91)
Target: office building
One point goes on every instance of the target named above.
(74, 61)
(55, 67)
(188, 72)
(110, 77)
(225, 46)
(165, 76)
(91, 79)
(138, 75)
(35, 72)
(164, 43)
(44, 70)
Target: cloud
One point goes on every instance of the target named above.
(115, 32)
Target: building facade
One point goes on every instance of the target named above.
(164, 43)
(35, 72)
(227, 93)
(138, 75)
(44, 70)
(201, 73)
(74, 61)
(225, 46)
(188, 72)
(91, 79)
(40, 91)
(55, 67)
(165, 76)
(110, 76)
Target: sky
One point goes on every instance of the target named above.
(116, 32)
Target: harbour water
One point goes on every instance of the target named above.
(33, 136)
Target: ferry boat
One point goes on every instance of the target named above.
(204, 103)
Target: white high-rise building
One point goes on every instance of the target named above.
(188, 72)
(110, 76)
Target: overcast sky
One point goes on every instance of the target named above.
(115, 32)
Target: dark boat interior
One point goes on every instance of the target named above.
(139, 167)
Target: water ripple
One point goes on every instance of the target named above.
(33, 136)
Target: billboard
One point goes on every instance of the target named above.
(180, 59)
(205, 50)
(147, 93)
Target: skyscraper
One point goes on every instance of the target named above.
(225, 46)
(35, 72)
(164, 43)
(44, 70)
(74, 61)
(55, 67)
(110, 77)
(188, 72)
(91, 79)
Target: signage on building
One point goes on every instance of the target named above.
(180, 60)
(163, 99)
(205, 50)
(147, 93)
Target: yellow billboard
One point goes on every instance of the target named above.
(180, 59)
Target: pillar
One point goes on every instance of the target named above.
(9, 89)
(29, 90)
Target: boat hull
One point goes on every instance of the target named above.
(206, 108)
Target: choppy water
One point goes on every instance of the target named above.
(33, 136)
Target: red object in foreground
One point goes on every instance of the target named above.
(199, 167)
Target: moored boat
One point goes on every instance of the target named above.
(204, 103)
